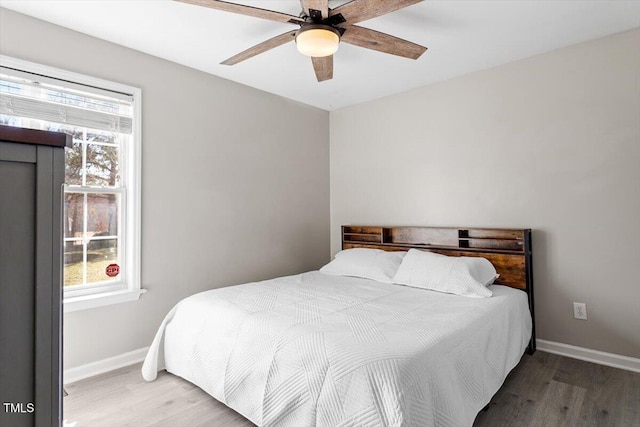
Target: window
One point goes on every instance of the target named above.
(101, 219)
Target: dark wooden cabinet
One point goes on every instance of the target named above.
(31, 178)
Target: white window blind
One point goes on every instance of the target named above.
(38, 97)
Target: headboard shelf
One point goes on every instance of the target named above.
(491, 233)
(362, 234)
(509, 250)
(474, 239)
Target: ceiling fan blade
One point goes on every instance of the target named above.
(245, 10)
(361, 10)
(321, 5)
(375, 40)
(323, 67)
(262, 47)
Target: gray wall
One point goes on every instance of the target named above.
(234, 187)
(551, 143)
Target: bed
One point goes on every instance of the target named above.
(316, 349)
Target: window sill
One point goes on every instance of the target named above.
(85, 302)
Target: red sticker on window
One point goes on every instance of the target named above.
(112, 270)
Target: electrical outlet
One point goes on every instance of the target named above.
(580, 310)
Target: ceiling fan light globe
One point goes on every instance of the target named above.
(317, 42)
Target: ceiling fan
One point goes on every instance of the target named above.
(322, 29)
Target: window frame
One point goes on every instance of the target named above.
(130, 288)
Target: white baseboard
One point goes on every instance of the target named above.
(105, 365)
(589, 355)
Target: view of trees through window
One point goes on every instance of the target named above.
(91, 217)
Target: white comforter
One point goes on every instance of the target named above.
(315, 349)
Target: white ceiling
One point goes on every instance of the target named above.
(462, 37)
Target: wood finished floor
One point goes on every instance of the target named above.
(543, 390)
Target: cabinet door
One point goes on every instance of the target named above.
(17, 281)
(31, 179)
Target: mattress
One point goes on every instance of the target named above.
(321, 350)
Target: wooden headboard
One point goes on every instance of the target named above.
(509, 250)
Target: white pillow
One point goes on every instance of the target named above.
(441, 273)
(481, 269)
(374, 264)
